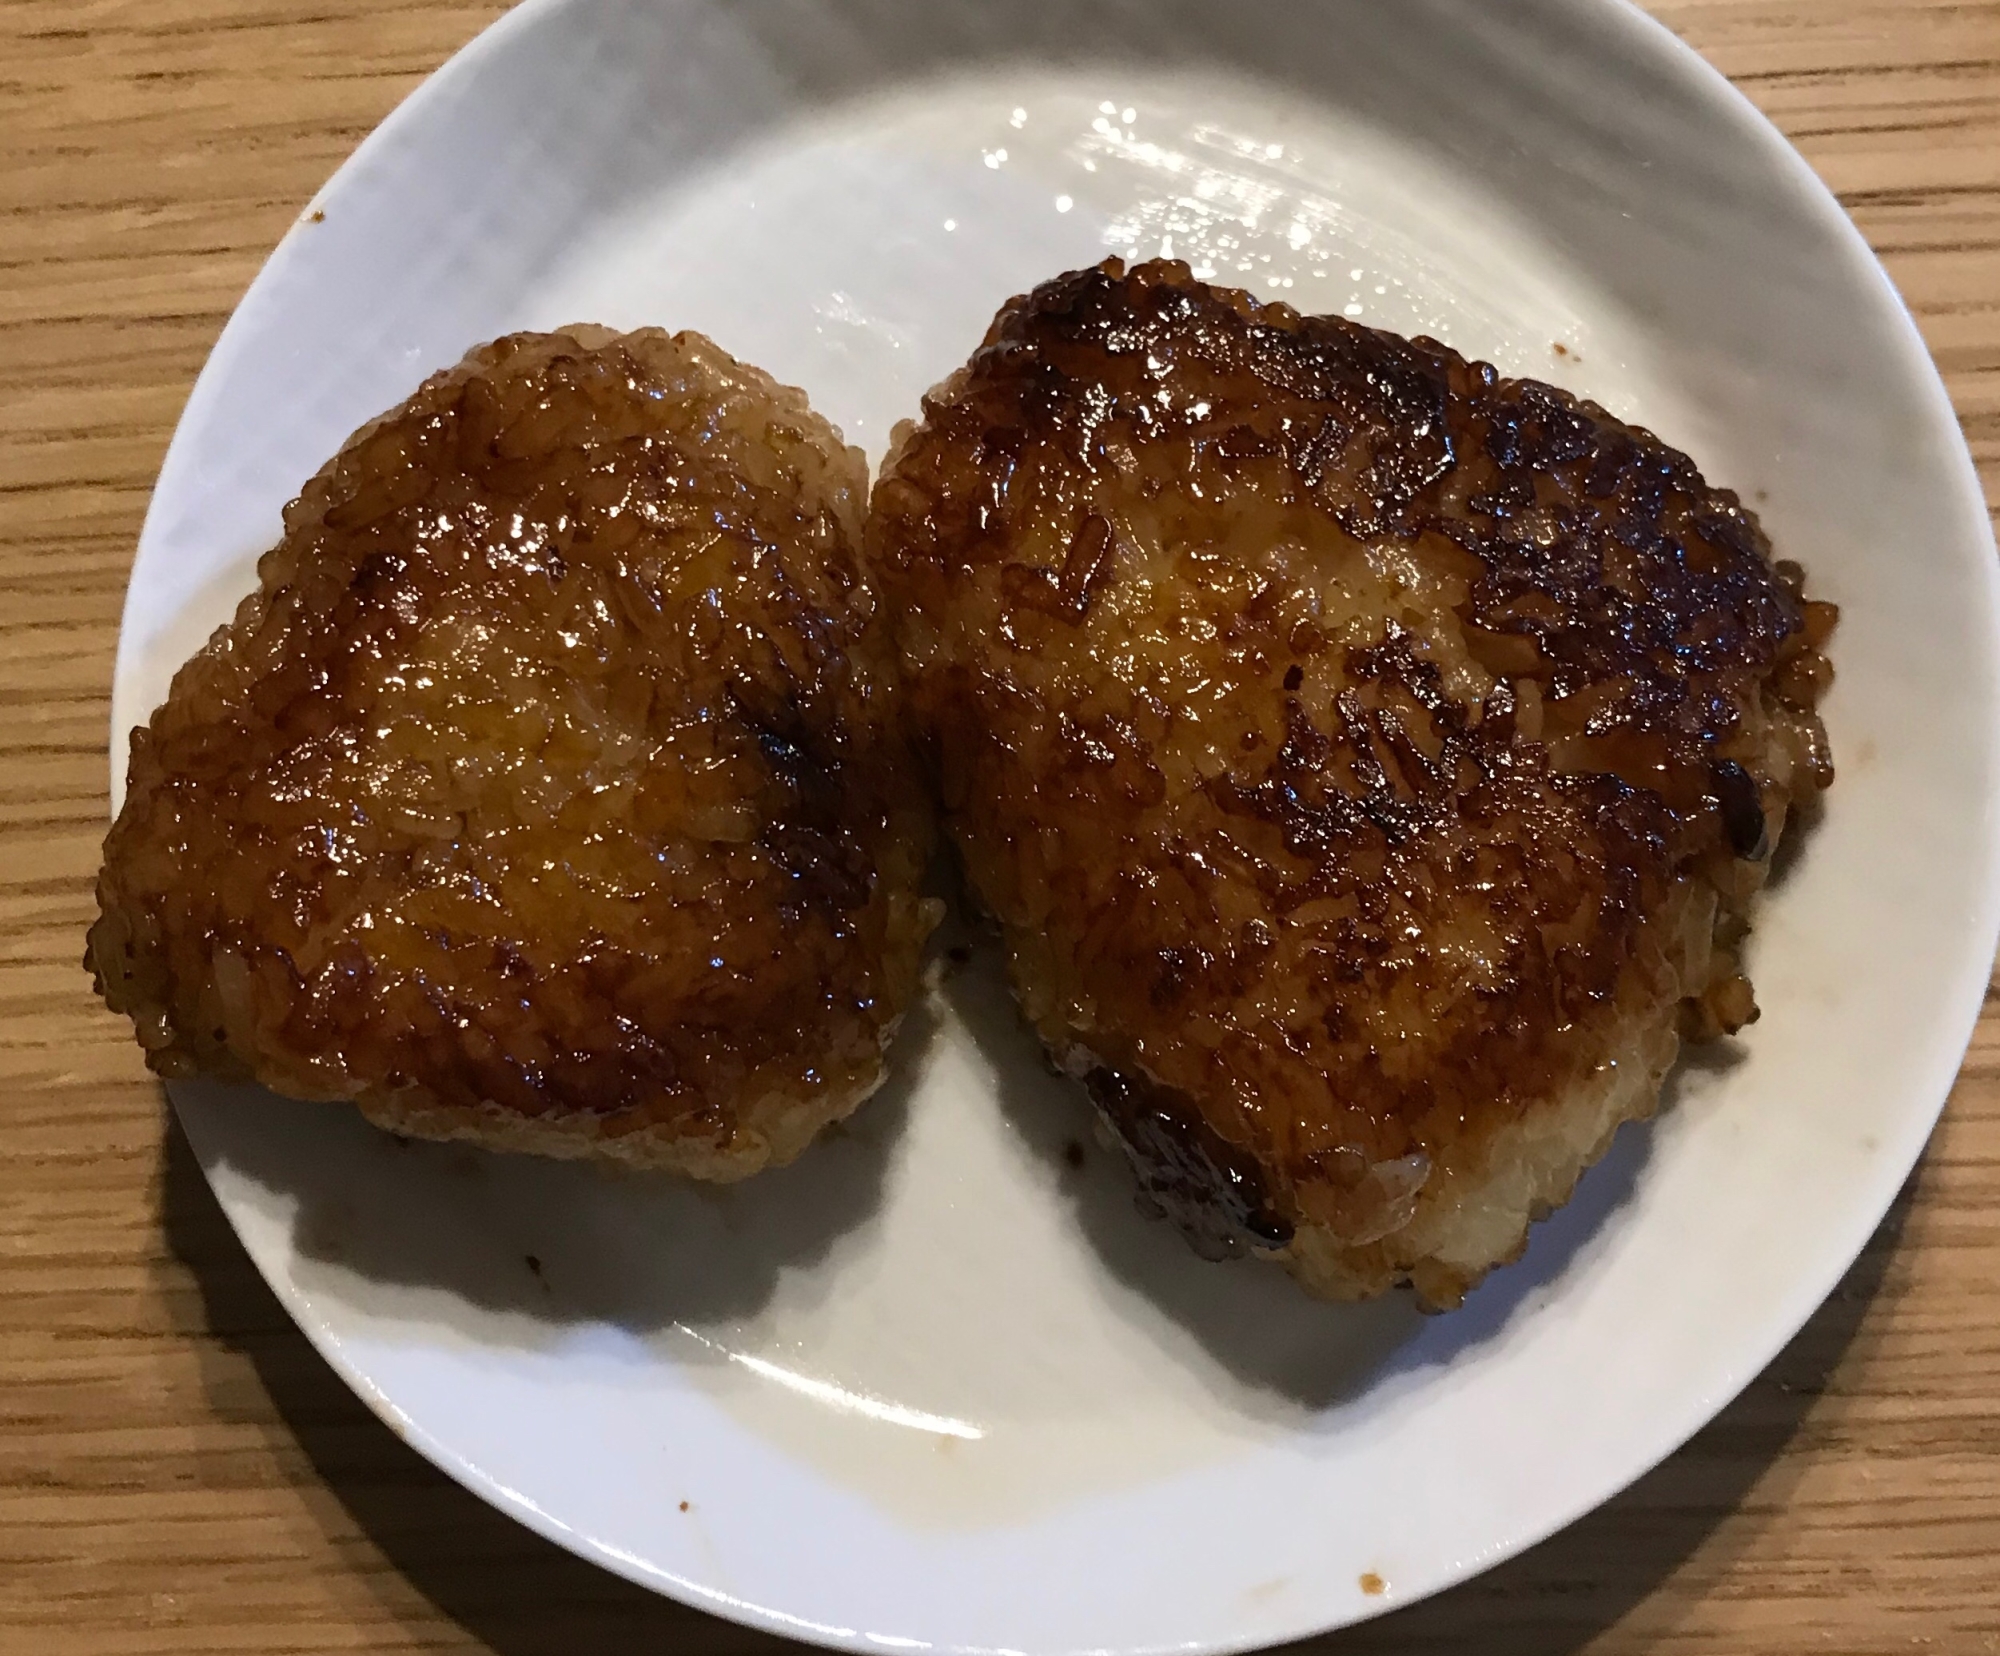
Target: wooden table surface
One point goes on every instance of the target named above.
(179, 1471)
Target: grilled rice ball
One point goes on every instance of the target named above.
(1367, 759)
(543, 794)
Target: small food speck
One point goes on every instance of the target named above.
(1372, 1584)
(534, 1264)
(1559, 347)
(684, 1506)
(959, 953)
(1073, 1153)
(317, 216)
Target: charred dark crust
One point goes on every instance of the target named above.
(1630, 572)
(1375, 747)
(1742, 811)
(1210, 1190)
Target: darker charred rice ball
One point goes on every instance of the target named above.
(1368, 759)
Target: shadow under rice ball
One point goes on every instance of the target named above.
(544, 793)
(1369, 759)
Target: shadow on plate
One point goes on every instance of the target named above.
(1248, 1316)
(522, 1596)
(512, 1249)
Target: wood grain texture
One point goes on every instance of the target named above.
(178, 1470)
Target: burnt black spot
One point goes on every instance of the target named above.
(1212, 1191)
(784, 754)
(1742, 811)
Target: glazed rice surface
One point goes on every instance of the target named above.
(1367, 758)
(543, 793)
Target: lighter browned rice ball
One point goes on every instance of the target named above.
(543, 794)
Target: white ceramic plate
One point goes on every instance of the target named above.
(932, 1386)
